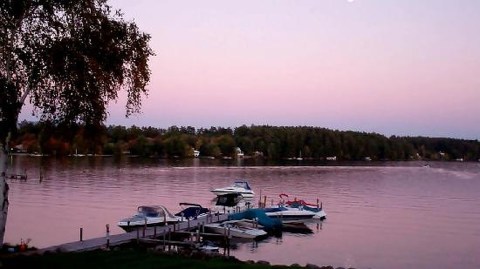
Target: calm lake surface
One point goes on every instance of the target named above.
(380, 215)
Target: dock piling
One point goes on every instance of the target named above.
(169, 239)
(228, 242)
(107, 227)
(198, 232)
(144, 228)
(164, 235)
(225, 241)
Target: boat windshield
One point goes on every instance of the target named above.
(242, 184)
(229, 199)
(153, 211)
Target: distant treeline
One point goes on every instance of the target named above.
(270, 142)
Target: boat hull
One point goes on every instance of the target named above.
(149, 216)
(234, 230)
(241, 187)
(225, 191)
(289, 214)
(320, 215)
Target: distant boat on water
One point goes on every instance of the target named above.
(36, 154)
(76, 154)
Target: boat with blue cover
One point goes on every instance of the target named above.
(192, 211)
(259, 215)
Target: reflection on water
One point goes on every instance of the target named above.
(390, 215)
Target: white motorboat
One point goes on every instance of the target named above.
(240, 187)
(289, 214)
(235, 228)
(156, 215)
(231, 203)
(302, 205)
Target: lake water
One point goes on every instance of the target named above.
(380, 215)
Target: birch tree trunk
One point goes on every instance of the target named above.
(3, 189)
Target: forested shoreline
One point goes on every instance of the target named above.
(269, 142)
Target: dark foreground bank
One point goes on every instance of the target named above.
(133, 258)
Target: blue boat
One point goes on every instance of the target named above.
(192, 211)
(259, 215)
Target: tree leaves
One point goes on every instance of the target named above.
(72, 57)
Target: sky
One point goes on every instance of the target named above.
(394, 67)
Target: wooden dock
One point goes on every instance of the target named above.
(144, 232)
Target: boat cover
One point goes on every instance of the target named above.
(192, 212)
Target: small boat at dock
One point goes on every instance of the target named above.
(231, 202)
(235, 228)
(208, 247)
(303, 205)
(191, 211)
(156, 215)
(289, 214)
(258, 216)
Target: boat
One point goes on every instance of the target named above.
(231, 202)
(289, 214)
(302, 205)
(154, 215)
(319, 211)
(258, 216)
(36, 154)
(234, 229)
(241, 187)
(229, 199)
(191, 211)
(207, 247)
(300, 158)
(297, 228)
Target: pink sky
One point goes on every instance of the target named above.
(406, 67)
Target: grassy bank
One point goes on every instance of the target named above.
(129, 258)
